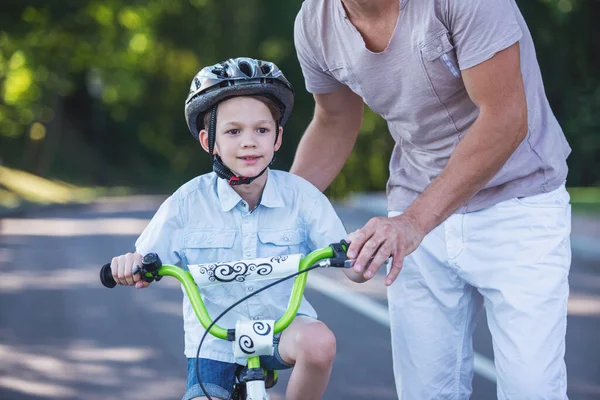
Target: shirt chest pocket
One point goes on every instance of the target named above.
(281, 242)
(441, 67)
(207, 246)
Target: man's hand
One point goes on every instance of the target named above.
(381, 238)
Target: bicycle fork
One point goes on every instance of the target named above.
(253, 378)
(255, 390)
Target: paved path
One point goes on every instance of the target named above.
(63, 336)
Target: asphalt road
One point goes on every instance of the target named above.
(63, 336)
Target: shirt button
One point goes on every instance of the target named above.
(250, 289)
(286, 239)
(248, 254)
(439, 48)
(243, 204)
(256, 318)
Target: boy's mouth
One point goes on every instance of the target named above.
(249, 159)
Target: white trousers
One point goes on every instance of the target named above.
(514, 259)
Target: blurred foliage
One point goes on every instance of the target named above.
(92, 91)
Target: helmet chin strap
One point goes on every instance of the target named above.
(219, 167)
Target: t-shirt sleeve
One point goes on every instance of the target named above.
(482, 28)
(316, 78)
(323, 224)
(163, 235)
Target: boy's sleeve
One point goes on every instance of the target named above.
(323, 224)
(316, 79)
(482, 28)
(163, 234)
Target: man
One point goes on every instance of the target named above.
(478, 211)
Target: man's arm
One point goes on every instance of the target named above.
(329, 138)
(496, 87)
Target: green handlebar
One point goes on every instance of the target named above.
(299, 285)
(185, 277)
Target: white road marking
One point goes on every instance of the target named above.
(64, 227)
(379, 313)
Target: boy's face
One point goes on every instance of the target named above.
(245, 135)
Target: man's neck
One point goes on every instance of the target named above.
(368, 9)
(376, 21)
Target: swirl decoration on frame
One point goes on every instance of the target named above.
(239, 270)
(278, 259)
(246, 344)
(262, 269)
(261, 328)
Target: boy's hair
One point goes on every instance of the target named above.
(272, 104)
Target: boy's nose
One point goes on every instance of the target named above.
(248, 142)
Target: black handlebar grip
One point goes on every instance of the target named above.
(106, 277)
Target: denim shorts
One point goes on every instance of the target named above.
(218, 377)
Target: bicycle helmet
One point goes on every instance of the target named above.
(240, 76)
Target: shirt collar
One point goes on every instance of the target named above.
(271, 196)
(229, 198)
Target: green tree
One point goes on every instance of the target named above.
(92, 91)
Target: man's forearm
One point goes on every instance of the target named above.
(477, 158)
(322, 152)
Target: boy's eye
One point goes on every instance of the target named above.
(233, 131)
(262, 130)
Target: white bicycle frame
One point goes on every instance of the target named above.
(255, 390)
(203, 275)
(206, 275)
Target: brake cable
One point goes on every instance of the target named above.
(317, 265)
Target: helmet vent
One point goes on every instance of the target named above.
(246, 68)
(265, 68)
(220, 70)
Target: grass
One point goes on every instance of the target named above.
(20, 187)
(586, 208)
(585, 200)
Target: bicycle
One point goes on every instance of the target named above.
(252, 338)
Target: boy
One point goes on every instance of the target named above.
(243, 210)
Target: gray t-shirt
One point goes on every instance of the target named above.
(416, 85)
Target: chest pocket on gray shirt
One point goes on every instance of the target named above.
(441, 67)
(281, 242)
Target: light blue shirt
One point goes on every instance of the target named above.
(206, 221)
